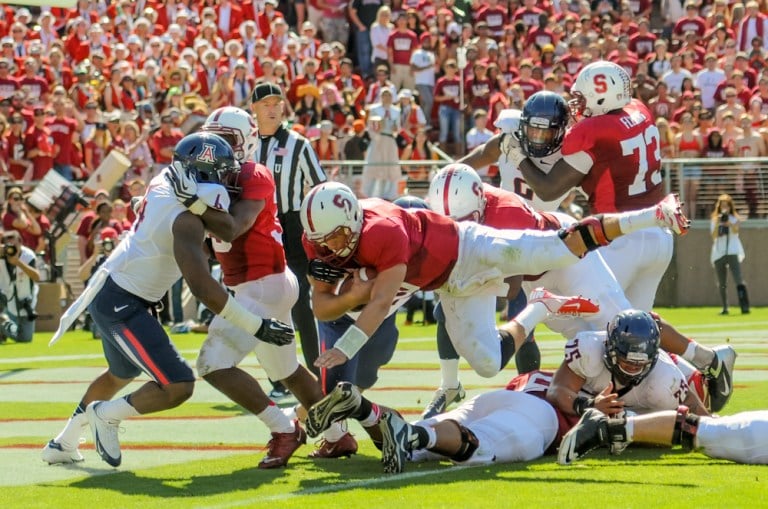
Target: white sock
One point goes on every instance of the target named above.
(116, 410)
(373, 418)
(449, 373)
(335, 432)
(69, 438)
(698, 355)
(630, 427)
(531, 316)
(276, 420)
(638, 220)
(690, 351)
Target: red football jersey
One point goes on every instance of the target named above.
(259, 251)
(626, 155)
(427, 242)
(506, 210)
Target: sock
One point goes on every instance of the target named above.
(531, 316)
(698, 355)
(373, 417)
(275, 419)
(425, 437)
(630, 427)
(117, 410)
(69, 438)
(638, 220)
(449, 373)
(335, 432)
(528, 357)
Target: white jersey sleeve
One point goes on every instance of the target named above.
(143, 262)
(584, 356)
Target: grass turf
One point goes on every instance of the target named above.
(164, 467)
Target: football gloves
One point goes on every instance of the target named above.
(326, 273)
(275, 332)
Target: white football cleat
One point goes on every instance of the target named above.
(104, 435)
(54, 453)
(564, 306)
(670, 215)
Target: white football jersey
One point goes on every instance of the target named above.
(665, 387)
(143, 262)
(512, 180)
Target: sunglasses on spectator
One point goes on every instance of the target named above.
(15, 197)
(39, 113)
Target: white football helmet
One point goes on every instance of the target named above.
(457, 192)
(329, 210)
(237, 127)
(600, 87)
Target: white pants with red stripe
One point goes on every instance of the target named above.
(226, 346)
(510, 426)
(486, 257)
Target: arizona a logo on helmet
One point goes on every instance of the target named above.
(208, 154)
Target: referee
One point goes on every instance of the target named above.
(294, 165)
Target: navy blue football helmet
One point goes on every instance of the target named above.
(411, 202)
(209, 158)
(632, 346)
(542, 124)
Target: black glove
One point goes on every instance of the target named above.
(183, 183)
(321, 271)
(275, 332)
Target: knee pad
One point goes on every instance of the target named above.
(469, 443)
(592, 239)
(686, 427)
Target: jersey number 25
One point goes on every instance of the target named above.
(646, 145)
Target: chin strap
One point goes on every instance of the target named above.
(686, 427)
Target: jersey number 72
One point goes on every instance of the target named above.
(646, 144)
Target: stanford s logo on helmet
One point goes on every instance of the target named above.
(457, 192)
(542, 124)
(332, 219)
(209, 158)
(237, 127)
(599, 88)
(632, 346)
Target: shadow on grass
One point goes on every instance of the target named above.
(11, 372)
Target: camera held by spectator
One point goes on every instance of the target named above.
(18, 289)
(723, 228)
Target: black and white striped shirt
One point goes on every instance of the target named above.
(293, 163)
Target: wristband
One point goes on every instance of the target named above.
(236, 314)
(351, 341)
(582, 403)
(197, 207)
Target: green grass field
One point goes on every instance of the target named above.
(204, 453)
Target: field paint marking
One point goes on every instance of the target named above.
(361, 483)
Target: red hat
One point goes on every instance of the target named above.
(425, 37)
(108, 233)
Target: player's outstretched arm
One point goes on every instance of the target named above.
(484, 155)
(188, 235)
(327, 305)
(550, 186)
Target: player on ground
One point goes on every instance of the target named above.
(620, 369)
(163, 245)
(466, 262)
(254, 269)
(742, 437)
(612, 152)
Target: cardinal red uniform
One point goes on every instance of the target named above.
(254, 268)
(504, 209)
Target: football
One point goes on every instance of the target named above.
(366, 274)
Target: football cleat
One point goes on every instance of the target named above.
(104, 435)
(345, 446)
(441, 399)
(587, 435)
(670, 215)
(565, 306)
(281, 447)
(339, 404)
(397, 436)
(54, 453)
(720, 377)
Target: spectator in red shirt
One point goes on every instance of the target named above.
(38, 144)
(447, 99)
(691, 22)
(163, 142)
(37, 87)
(8, 84)
(65, 133)
(400, 45)
(641, 42)
(86, 221)
(16, 216)
(18, 165)
(95, 148)
(529, 85)
(495, 16)
(478, 87)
